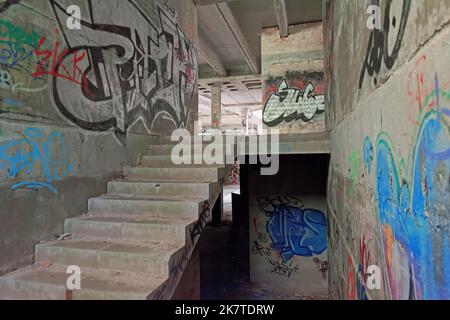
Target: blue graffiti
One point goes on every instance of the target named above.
(296, 231)
(416, 212)
(368, 154)
(35, 151)
(13, 56)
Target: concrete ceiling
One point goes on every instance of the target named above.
(230, 48)
(231, 30)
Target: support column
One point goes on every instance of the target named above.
(245, 119)
(216, 106)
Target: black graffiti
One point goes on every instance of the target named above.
(201, 223)
(269, 204)
(283, 269)
(258, 249)
(134, 69)
(378, 48)
(8, 3)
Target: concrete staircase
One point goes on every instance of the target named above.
(134, 242)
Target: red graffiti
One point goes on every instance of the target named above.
(351, 280)
(52, 63)
(255, 224)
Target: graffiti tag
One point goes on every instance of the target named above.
(380, 48)
(291, 104)
(33, 152)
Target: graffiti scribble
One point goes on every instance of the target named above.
(283, 269)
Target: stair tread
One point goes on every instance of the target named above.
(172, 198)
(156, 181)
(180, 166)
(91, 279)
(134, 219)
(159, 248)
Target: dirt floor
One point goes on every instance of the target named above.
(220, 275)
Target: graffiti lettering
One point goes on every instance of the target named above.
(8, 3)
(139, 73)
(33, 152)
(291, 104)
(53, 58)
(384, 45)
(295, 231)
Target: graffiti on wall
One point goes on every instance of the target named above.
(109, 76)
(290, 231)
(5, 5)
(304, 100)
(35, 154)
(413, 207)
(201, 223)
(17, 46)
(293, 230)
(384, 44)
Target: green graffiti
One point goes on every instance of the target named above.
(16, 36)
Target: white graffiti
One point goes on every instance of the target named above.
(6, 81)
(291, 104)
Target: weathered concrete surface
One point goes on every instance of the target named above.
(76, 106)
(389, 185)
(130, 235)
(293, 83)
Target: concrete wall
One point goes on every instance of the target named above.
(288, 227)
(390, 169)
(293, 79)
(78, 105)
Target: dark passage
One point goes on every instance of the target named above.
(221, 278)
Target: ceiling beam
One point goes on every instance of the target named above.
(209, 55)
(231, 78)
(281, 14)
(231, 23)
(209, 2)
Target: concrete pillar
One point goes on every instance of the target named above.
(245, 119)
(216, 106)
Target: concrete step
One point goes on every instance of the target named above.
(167, 149)
(50, 283)
(167, 140)
(191, 189)
(177, 174)
(166, 161)
(130, 228)
(178, 207)
(145, 258)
